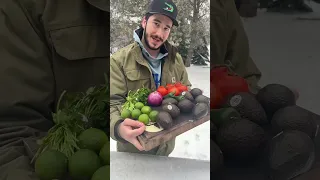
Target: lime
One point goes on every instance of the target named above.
(51, 164)
(135, 113)
(92, 139)
(153, 115)
(138, 105)
(102, 173)
(125, 113)
(146, 110)
(105, 154)
(83, 164)
(144, 119)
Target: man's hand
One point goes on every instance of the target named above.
(129, 130)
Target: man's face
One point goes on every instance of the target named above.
(157, 30)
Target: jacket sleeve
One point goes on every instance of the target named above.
(26, 83)
(118, 91)
(184, 79)
(238, 51)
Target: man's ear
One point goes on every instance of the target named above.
(144, 22)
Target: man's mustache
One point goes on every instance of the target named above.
(157, 37)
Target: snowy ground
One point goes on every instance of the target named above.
(195, 143)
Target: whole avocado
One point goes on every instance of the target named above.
(203, 99)
(185, 106)
(273, 97)
(172, 109)
(187, 95)
(289, 154)
(248, 107)
(164, 119)
(200, 110)
(294, 118)
(169, 100)
(216, 157)
(195, 92)
(240, 139)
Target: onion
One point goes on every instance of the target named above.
(155, 99)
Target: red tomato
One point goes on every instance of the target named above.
(174, 90)
(162, 90)
(216, 98)
(182, 88)
(168, 86)
(226, 83)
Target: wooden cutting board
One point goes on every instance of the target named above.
(181, 124)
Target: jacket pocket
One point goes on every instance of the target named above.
(80, 57)
(137, 79)
(81, 42)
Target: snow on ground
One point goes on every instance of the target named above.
(195, 143)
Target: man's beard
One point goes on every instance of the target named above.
(147, 42)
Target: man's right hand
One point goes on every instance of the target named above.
(129, 130)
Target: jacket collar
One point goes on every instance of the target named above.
(103, 5)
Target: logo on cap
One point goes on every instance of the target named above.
(169, 7)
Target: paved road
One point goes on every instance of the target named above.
(288, 52)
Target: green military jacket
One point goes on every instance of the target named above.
(129, 70)
(229, 42)
(47, 46)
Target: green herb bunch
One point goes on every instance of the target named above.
(78, 112)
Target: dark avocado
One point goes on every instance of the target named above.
(164, 119)
(203, 99)
(294, 118)
(220, 116)
(216, 157)
(195, 92)
(289, 154)
(172, 109)
(213, 130)
(187, 95)
(169, 100)
(240, 140)
(200, 110)
(248, 107)
(185, 106)
(273, 97)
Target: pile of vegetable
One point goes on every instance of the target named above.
(164, 105)
(77, 146)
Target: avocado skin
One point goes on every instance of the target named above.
(174, 112)
(185, 106)
(273, 97)
(200, 110)
(241, 139)
(294, 118)
(164, 119)
(248, 107)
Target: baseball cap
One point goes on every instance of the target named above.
(165, 7)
